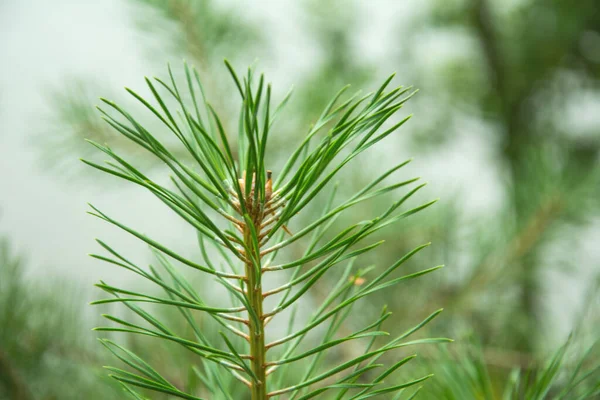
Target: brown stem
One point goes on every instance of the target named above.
(256, 326)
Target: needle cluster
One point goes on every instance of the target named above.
(241, 212)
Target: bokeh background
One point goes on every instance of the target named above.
(506, 130)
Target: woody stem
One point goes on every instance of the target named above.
(256, 327)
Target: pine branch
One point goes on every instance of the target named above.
(243, 209)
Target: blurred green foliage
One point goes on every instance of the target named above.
(515, 71)
(44, 350)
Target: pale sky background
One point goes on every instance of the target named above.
(45, 43)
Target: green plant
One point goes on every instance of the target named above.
(44, 351)
(465, 373)
(241, 213)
